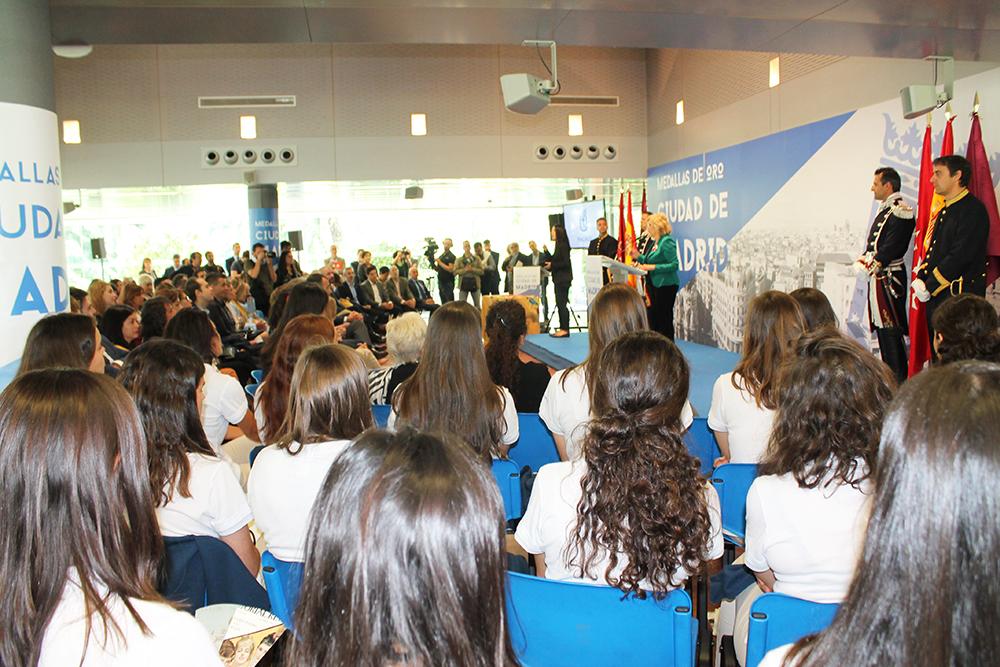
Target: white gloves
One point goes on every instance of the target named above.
(920, 291)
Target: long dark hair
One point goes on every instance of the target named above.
(328, 399)
(64, 340)
(968, 327)
(452, 391)
(153, 318)
(815, 307)
(301, 332)
(163, 376)
(773, 322)
(832, 395)
(643, 496)
(72, 454)
(936, 503)
(505, 324)
(412, 570)
(305, 298)
(194, 328)
(111, 325)
(616, 310)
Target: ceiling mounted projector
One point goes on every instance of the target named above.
(527, 94)
(922, 99)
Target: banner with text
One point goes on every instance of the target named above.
(264, 228)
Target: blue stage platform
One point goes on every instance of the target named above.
(707, 363)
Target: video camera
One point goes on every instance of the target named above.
(430, 248)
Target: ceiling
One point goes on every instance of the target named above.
(964, 29)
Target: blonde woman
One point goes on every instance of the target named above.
(661, 264)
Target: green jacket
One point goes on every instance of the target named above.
(664, 258)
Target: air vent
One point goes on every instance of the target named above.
(583, 101)
(241, 102)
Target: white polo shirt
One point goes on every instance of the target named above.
(735, 411)
(217, 506)
(225, 404)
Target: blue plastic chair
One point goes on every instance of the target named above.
(254, 452)
(535, 447)
(732, 482)
(381, 414)
(701, 443)
(776, 620)
(508, 476)
(563, 623)
(282, 580)
(258, 375)
(251, 389)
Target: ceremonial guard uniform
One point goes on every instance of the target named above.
(955, 262)
(888, 241)
(607, 246)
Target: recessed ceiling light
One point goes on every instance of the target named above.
(71, 131)
(774, 77)
(418, 124)
(575, 125)
(248, 127)
(680, 112)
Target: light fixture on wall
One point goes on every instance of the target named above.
(71, 132)
(418, 124)
(248, 127)
(774, 74)
(680, 112)
(575, 121)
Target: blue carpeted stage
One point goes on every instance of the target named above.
(707, 363)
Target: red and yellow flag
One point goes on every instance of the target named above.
(937, 203)
(920, 344)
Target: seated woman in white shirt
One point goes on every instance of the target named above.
(617, 309)
(327, 407)
(808, 509)
(225, 401)
(925, 592)
(270, 402)
(635, 487)
(452, 391)
(405, 563)
(743, 401)
(199, 495)
(80, 546)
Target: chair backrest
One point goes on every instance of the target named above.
(732, 482)
(251, 389)
(701, 443)
(200, 571)
(535, 447)
(283, 580)
(508, 476)
(776, 620)
(381, 415)
(258, 375)
(564, 623)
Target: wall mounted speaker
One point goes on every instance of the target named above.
(295, 238)
(557, 220)
(414, 192)
(97, 250)
(573, 195)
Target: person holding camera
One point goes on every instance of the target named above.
(445, 267)
(262, 277)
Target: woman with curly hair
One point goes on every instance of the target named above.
(965, 327)
(744, 400)
(634, 512)
(506, 327)
(807, 512)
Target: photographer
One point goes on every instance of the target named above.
(262, 277)
(445, 266)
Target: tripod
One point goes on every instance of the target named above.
(572, 313)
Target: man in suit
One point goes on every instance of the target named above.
(173, 268)
(420, 293)
(538, 258)
(234, 261)
(604, 244)
(372, 293)
(491, 275)
(397, 290)
(349, 295)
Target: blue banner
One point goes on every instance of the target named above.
(264, 228)
(708, 198)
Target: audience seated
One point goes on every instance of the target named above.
(63, 340)
(79, 548)
(102, 296)
(816, 309)
(411, 571)
(404, 339)
(304, 298)
(744, 400)
(271, 398)
(565, 408)
(153, 318)
(925, 593)
(327, 407)
(808, 509)
(965, 327)
(197, 492)
(635, 487)
(225, 402)
(120, 326)
(506, 327)
(452, 391)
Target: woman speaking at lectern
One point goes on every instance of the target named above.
(660, 263)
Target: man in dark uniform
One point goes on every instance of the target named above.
(604, 244)
(955, 262)
(445, 267)
(888, 240)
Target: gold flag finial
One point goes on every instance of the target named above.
(947, 112)
(928, 120)
(975, 103)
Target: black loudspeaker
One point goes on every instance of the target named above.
(295, 238)
(97, 250)
(557, 220)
